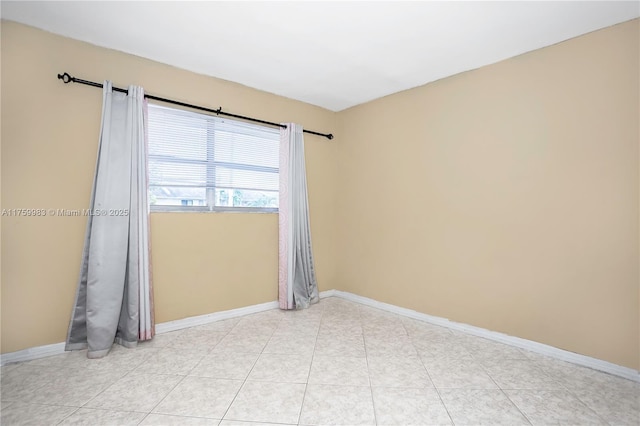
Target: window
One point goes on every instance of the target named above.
(199, 163)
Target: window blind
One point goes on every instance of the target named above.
(202, 160)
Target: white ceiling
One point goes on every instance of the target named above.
(331, 54)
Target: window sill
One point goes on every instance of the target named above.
(180, 209)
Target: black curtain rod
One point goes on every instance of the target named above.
(66, 78)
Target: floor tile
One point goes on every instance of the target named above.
(225, 365)
(19, 414)
(553, 407)
(337, 405)
(297, 331)
(165, 420)
(406, 406)
(341, 316)
(240, 342)
(254, 325)
(389, 345)
(119, 359)
(339, 371)
(135, 392)
(221, 325)
(444, 350)
(302, 316)
(8, 367)
(75, 388)
(489, 349)
(200, 397)
(520, 374)
(340, 326)
(20, 383)
(160, 340)
(290, 368)
(172, 360)
(340, 344)
(238, 423)
(416, 327)
(337, 303)
(368, 314)
(569, 375)
(457, 374)
(337, 362)
(611, 382)
(287, 344)
(93, 417)
(481, 407)
(197, 337)
(395, 371)
(615, 407)
(383, 328)
(57, 361)
(349, 312)
(425, 341)
(575, 377)
(267, 402)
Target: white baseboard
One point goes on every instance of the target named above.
(32, 353)
(540, 348)
(327, 293)
(165, 327)
(168, 326)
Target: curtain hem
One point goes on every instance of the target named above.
(126, 343)
(75, 346)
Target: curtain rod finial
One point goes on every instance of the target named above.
(329, 136)
(66, 78)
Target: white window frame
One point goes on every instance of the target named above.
(210, 206)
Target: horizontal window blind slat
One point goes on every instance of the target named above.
(191, 154)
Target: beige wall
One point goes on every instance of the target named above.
(505, 197)
(202, 263)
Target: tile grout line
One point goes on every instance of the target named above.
(484, 370)
(530, 420)
(498, 387)
(485, 366)
(517, 407)
(575, 395)
(179, 381)
(366, 357)
(428, 374)
(112, 384)
(313, 355)
(502, 390)
(589, 406)
(252, 367)
(186, 375)
(69, 415)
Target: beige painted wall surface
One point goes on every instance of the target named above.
(202, 263)
(505, 197)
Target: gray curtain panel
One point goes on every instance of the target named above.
(297, 286)
(114, 275)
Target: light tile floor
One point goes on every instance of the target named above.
(337, 363)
